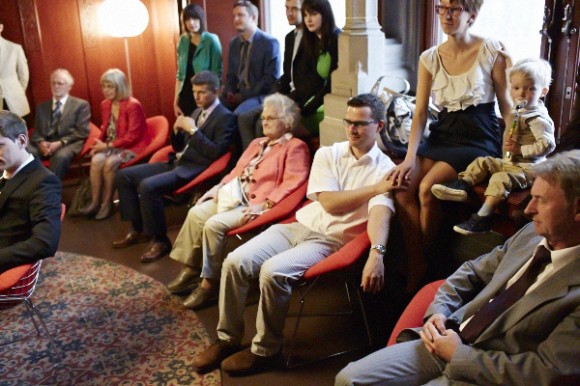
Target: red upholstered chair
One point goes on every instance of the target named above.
(158, 130)
(413, 315)
(94, 133)
(212, 170)
(161, 155)
(17, 286)
(215, 168)
(282, 210)
(338, 262)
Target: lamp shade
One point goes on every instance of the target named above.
(123, 18)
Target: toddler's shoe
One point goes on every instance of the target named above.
(456, 190)
(475, 225)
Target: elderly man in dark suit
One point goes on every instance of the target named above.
(30, 199)
(61, 125)
(253, 61)
(198, 141)
(509, 317)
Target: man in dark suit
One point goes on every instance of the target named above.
(30, 199)
(61, 125)
(509, 317)
(249, 123)
(198, 141)
(253, 61)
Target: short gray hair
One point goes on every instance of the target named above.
(288, 108)
(562, 169)
(64, 72)
(118, 78)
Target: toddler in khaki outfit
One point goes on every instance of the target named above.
(529, 139)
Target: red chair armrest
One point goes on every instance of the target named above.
(94, 134)
(9, 278)
(161, 155)
(344, 257)
(282, 210)
(213, 170)
(415, 310)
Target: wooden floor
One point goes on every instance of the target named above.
(317, 335)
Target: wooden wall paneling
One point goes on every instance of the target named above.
(220, 21)
(164, 28)
(62, 47)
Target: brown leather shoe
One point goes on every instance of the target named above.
(157, 249)
(246, 362)
(212, 356)
(201, 298)
(131, 238)
(187, 280)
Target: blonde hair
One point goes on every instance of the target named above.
(118, 78)
(537, 70)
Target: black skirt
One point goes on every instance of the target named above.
(459, 137)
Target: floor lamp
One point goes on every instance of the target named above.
(123, 19)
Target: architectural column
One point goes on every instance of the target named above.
(361, 60)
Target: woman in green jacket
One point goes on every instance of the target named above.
(197, 50)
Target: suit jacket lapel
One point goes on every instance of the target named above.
(13, 183)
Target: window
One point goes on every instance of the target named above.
(516, 24)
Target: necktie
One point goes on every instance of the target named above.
(201, 119)
(492, 310)
(243, 70)
(56, 113)
(2, 183)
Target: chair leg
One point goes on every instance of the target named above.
(348, 284)
(34, 313)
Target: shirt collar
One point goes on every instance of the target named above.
(282, 140)
(211, 108)
(371, 155)
(22, 165)
(251, 38)
(560, 257)
(62, 101)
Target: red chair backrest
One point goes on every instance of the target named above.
(94, 134)
(212, 170)
(413, 315)
(158, 132)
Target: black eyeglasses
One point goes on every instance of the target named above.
(442, 10)
(358, 124)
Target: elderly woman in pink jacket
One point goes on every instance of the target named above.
(270, 169)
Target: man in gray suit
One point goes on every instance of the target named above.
(533, 338)
(61, 125)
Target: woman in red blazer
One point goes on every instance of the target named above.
(270, 169)
(123, 135)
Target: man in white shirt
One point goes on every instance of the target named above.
(475, 332)
(13, 77)
(348, 187)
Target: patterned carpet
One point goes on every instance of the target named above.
(114, 326)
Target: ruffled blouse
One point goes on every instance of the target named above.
(458, 92)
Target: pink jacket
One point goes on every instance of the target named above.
(132, 131)
(277, 174)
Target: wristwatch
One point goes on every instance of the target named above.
(379, 247)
